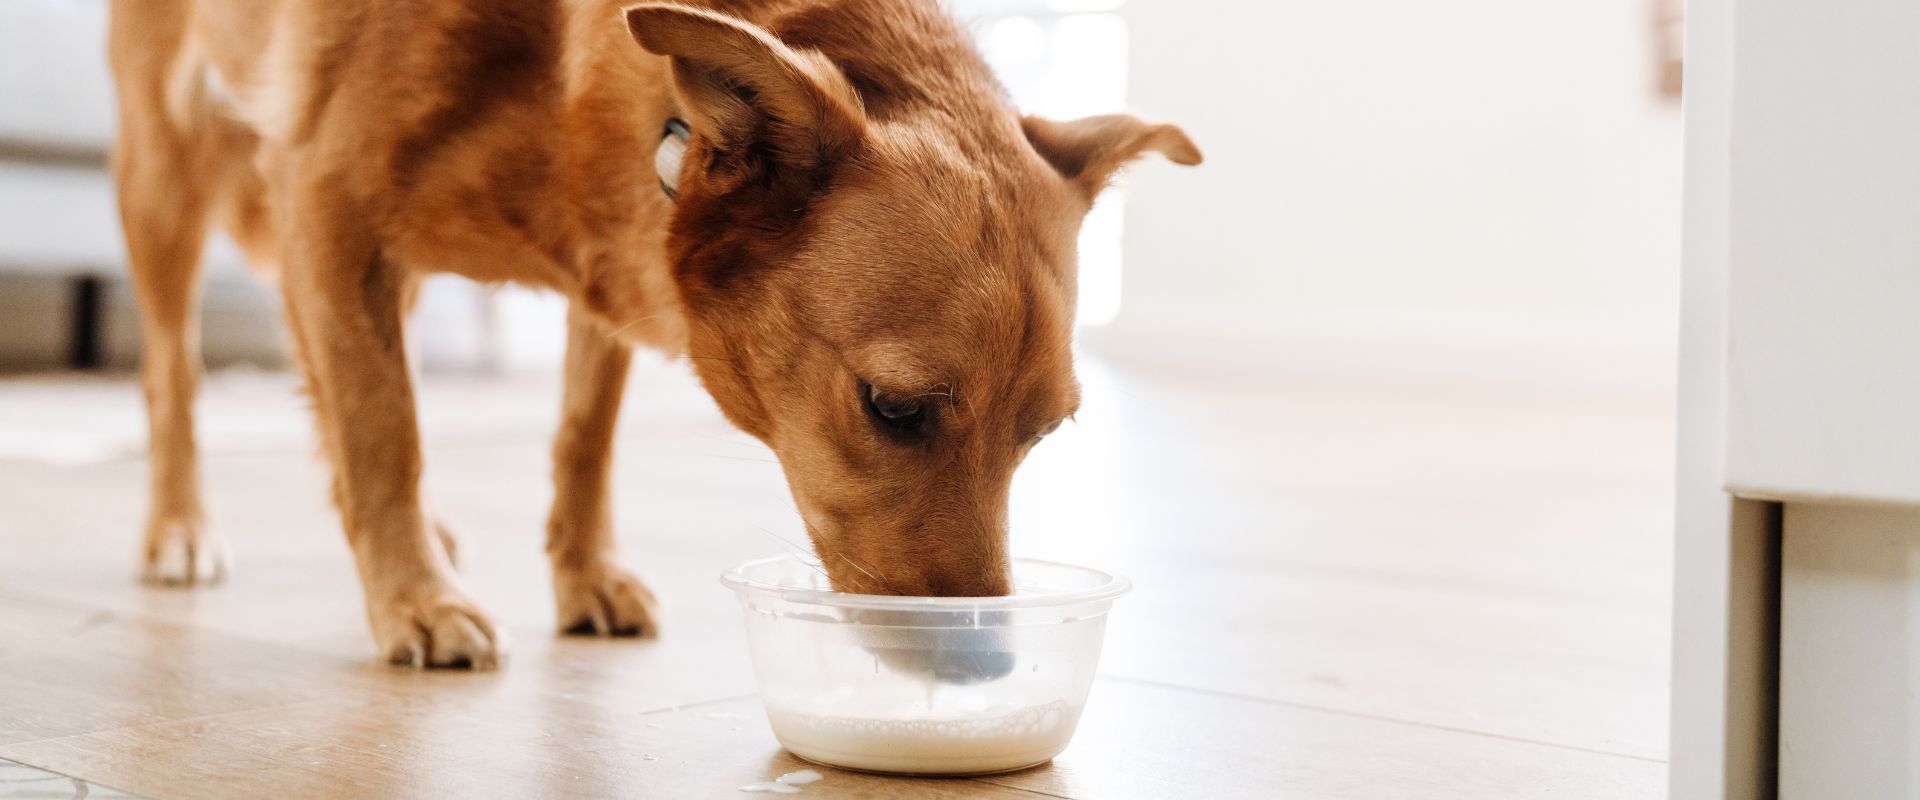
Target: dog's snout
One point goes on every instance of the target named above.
(989, 583)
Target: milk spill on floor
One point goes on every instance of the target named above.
(789, 783)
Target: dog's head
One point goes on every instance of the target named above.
(884, 296)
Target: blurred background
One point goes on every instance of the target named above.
(1390, 184)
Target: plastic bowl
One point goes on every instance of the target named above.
(924, 685)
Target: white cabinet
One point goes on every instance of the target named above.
(1850, 652)
(1823, 290)
(1797, 657)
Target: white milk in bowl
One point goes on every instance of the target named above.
(924, 685)
(995, 740)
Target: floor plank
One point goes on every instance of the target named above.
(21, 782)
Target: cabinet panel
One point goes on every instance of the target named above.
(1850, 652)
(1824, 251)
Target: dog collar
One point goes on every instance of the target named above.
(667, 157)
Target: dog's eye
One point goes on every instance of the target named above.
(901, 415)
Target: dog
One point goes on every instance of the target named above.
(829, 207)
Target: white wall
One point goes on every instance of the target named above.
(54, 86)
(1494, 173)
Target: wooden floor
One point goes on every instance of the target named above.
(1346, 586)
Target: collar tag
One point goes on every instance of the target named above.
(667, 157)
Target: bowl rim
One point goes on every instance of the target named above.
(1113, 586)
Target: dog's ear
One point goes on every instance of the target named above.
(743, 87)
(1089, 151)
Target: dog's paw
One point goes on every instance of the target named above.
(184, 553)
(603, 598)
(440, 628)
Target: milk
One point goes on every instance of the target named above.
(789, 783)
(960, 742)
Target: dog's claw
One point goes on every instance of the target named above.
(595, 623)
(457, 640)
(604, 599)
(447, 632)
(409, 654)
(184, 554)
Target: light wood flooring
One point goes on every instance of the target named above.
(1346, 586)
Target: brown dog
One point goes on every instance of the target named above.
(870, 260)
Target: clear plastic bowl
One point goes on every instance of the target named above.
(924, 685)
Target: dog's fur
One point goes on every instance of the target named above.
(864, 228)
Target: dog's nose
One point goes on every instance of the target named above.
(973, 666)
(949, 655)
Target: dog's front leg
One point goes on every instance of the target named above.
(346, 304)
(593, 592)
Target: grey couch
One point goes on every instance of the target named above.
(64, 299)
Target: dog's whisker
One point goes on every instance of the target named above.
(802, 556)
(797, 549)
(864, 571)
(815, 535)
(812, 565)
(816, 568)
(617, 331)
